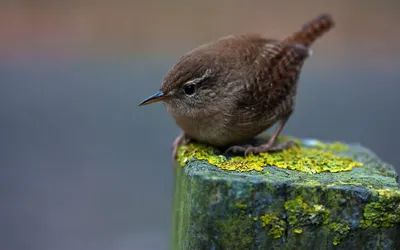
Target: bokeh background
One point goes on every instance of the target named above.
(82, 167)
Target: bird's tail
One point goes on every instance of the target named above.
(312, 30)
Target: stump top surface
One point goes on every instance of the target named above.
(312, 162)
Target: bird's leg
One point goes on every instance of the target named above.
(271, 145)
(182, 138)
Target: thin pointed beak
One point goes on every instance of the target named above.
(159, 96)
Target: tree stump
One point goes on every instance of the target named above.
(316, 195)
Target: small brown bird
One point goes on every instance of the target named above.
(228, 91)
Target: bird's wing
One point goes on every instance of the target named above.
(283, 60)
(274, 73)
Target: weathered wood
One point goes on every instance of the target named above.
(308, 203)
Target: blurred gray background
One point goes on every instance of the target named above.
(82, 167)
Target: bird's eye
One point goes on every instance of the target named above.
(189, 89)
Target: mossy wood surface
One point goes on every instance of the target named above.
(301, 204)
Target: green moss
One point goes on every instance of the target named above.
(276, 227)
(383, 213)
(340, 231)
(317, 159)
(179, 217)
(240, 205)
(302, 214)
(235, 231)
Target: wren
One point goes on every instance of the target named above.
(230, 90)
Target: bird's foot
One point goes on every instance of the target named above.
(179, 140)
(237, 149)
(268, 147)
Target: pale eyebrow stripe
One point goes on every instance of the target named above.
(200, 79)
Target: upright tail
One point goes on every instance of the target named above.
(312, 30)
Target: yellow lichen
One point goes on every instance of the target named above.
(300, 213)
(306, 159)
(275, 225)
(298, 230)
(335, 146)
(383, 213)
(340, 232)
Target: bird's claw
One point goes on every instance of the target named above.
(179, 140)
(237, 149)
(247, 149)
(268, 148)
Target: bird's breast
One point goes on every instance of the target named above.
(211, 129)
(220, 130)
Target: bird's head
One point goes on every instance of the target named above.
(192, 86)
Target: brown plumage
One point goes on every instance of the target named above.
(228, 91)
(311, 30)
